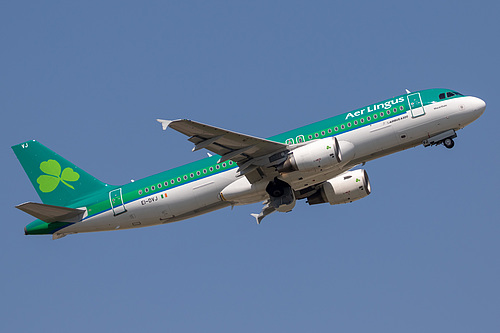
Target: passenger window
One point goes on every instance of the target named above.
(442, 96)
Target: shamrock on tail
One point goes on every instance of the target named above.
(52, 168)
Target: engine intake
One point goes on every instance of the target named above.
(347, 187)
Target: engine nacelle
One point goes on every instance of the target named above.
(347, 187)
(319, 155)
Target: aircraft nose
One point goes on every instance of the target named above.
(478, 106)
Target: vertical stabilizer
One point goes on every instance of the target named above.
(56, 180)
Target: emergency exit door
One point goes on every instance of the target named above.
(116, 200)
(416, 105)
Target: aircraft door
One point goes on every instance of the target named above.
(416, 105)
(116, 200)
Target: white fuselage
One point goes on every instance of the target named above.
(370, 142)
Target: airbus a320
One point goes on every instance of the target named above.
(318, 163)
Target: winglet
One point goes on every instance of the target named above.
(164, 123)
(258, 218)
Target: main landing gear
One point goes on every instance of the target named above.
(281, 199)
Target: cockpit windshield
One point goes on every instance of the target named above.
(449, 94)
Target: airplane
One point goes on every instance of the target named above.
(317, 162)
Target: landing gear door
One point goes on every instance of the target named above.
(116, 200)
(416, 105)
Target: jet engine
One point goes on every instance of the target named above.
(347, 187)
(318, 155)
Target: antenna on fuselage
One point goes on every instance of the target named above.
(407, 91)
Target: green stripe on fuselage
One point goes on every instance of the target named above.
(318, 130)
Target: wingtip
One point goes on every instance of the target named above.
(256, 216)
(164, 123)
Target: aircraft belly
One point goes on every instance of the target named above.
(101, 222)
(414, 130)
(198, 211)
(371, 139)
(198, 194)
(175, 204)
(137, 215)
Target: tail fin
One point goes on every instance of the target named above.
(56, 180)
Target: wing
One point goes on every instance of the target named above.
(254, 156)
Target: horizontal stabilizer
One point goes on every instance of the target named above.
(50, 213)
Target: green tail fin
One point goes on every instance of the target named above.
(56, 180)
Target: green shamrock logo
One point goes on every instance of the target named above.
(52, 168)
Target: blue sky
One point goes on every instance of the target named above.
(89, 79)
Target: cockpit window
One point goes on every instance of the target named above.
(449, 94)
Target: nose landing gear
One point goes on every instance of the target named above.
(445, 138)
(448, 143)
